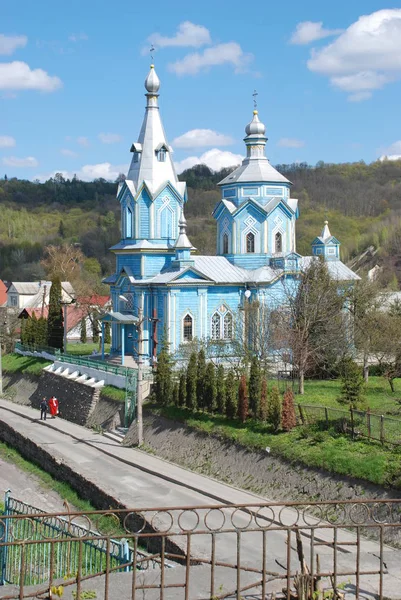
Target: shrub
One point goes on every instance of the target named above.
(210, 391)
(200, 379)
(288, 419)
(254, 386)
(274, 409)
(243, 400)
(220, 391)
(191, 382)
(231, 395)
(352, 384)
(263, 407)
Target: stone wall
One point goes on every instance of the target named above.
(256, 471)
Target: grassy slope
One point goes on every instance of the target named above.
(30, 365)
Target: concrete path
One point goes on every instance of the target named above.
(138, 480)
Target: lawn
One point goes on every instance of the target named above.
(17, 363)
(378, 395)
(308, 445)
(80, 349)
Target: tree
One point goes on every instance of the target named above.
(83, 336)
(220, 391)
(288, 418)
(210, 387)
(95, 328)
(163, 381)
(263, 405)
(55, 320)
(254, 387)
(176, 394)
(41, 332)
(63, 261)
(311, 323)
(61, 229)
(243, 400)
(386, 344)
(182, 394)
(274, 409)
(231, 395)
(200, 379)
(352, 384)
(107, 333)
(191, 382)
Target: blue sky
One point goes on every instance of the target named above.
(328, 77)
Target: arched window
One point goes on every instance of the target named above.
(216, 326)
(161, 155)
(228, 326)
(128, 222)
(225, 243)
(250, 242)
(187, 328)
(278, 239)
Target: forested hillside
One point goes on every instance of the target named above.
(362, 203)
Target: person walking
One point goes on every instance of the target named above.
(53, 405)
(43, 409)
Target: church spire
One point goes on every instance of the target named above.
(325, 235)
(183, 246)
(152, 161)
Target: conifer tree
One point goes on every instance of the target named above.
(220, 391)
(231, 395)
(55, 320)
(61, 229)
(288, 418)
(243, 400)
(107, 333)
(352, 384)
(41, 332)
(95, 328)
(176, 394)
(263, 405)
(200, 380)
(83, 336)
(191, 382)
(163, 375)
(182, 390)
(210, 388)
(254, 387)
(274, 409)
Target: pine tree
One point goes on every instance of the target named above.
(210, 388)
(163, 376)
(83, 336)
(288, 418)
(55, 320)
(41, 332)
(95, 329)
(176, 394)
(243, 400)
(182, 390)
(352, 384)
(220, 391)
(191, 381)
(254, 387)
(274, 409)
(231, 395)
(200, 380)
(263, 405)
(107, 333)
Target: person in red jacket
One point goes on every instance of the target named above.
(53, 406)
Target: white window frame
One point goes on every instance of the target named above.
(187, 341)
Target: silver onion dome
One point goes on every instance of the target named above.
(255, 127)
(152, 82)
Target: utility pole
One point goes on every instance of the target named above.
(139, 380)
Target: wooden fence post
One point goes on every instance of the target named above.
(301, 414)
(352, 423)
(382, 436)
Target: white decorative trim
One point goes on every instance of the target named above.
(284, 242)
(152, 220)
(250, 229)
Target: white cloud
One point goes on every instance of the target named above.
(290, 143)
(10, 43)
(89, 172)
(19, 76)
(188, 34)
(230, 53)
(83, 141)
(13, 161)
(109, 138)
(365, 57)
(67, 152)
(199, 138)
(6, 141)
(309, 31)
(392, 152)
(77, 37)
(215, 159)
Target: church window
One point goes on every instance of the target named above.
(278, 242)
(187, 328)
(216, 326)
(128, 222)
(161, 155)
(228, 326)
(136, 157)
(250, 242)
(225, 243)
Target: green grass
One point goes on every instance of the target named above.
(378, 395)
(16, 363)
(307, 445)
(109, 391)
(80, 349)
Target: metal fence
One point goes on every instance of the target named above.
(293, 550)
(357, 423)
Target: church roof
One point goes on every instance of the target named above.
(152, 139)
(337, 269)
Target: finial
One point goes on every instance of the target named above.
(255, 104)
(152, 82)
(326, 222)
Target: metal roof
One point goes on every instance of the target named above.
(122, 319)
(337, 269)
(254, 170)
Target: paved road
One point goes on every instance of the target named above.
(137, 479)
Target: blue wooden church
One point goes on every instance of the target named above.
(160, 279)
